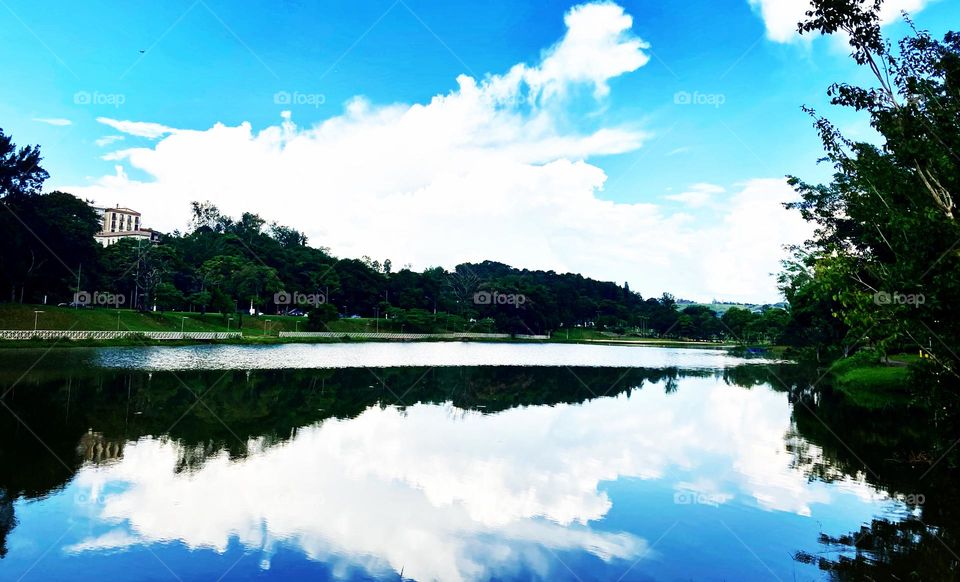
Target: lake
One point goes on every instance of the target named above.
(430, 461)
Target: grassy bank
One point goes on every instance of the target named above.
(256, 330)
(21, 317)
(872, 383)
(590, 335)
(247, 340)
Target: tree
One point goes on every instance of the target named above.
(240, 278)
(200, 299)
(320, 316)
(7, 520)
(136, 268)
(361, 287)
(167, 296)
(769, 327)
(248, 228)
(46, 238)
(287, 237)
(663, 314)
(418, 321)
(737, 321)
(224, 303)
(886, 224)
(253, 281)
(154, 265)
(20, 171)
(219, 271)
(686, 326)
(699, 322)
(207, 215)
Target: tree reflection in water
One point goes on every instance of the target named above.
(7, 520)
(894, 448)
(87, 417)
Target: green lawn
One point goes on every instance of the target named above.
(578, 334)
(17, 316)
(21, 317)
(872, 384)
(586, 334)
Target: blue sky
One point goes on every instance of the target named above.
(74, 76)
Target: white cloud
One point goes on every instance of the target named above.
(108, 139)
(440, 492)
(495, 169)
(115, 539)
(597, 47)
(138, 128)
(781, 16)
(698, 195)
(739, 254)
(58, 121)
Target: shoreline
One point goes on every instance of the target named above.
(254, 340)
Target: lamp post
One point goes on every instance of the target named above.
(183, 321)
(296, 326)
(36, 316)
(265, 325)
(229, 319)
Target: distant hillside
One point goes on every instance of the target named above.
(722, 307)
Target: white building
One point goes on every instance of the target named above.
(118, 223)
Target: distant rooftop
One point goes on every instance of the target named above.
(118, 208)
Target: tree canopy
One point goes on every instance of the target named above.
(882, 267)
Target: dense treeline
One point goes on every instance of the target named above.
(883, 268)
(227, 265)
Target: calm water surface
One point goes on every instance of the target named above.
(380, 355)
(417, 462)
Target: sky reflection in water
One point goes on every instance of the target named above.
(654, 484)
